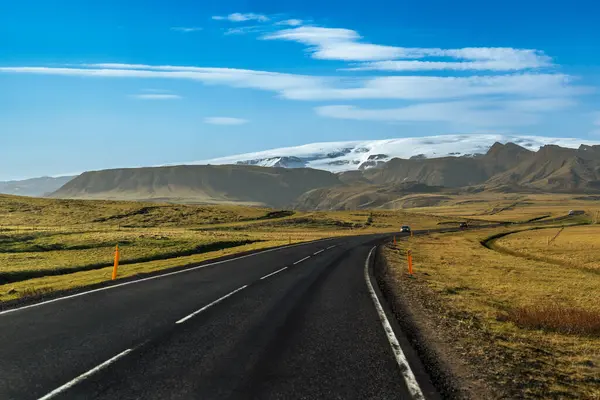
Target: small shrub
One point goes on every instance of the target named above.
(33, 292)
(557, 318)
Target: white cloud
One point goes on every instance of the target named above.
(344, 44)
(596, 117)
(153, 90)
(507, 64)
(465, 113)
(307, 87)
(541, 105)
(244, 30)
(156, 96)
(269, 81)
(185, 29)
(290, 22)
(336, 44)
(225, 121)
(239, 17)
(434, 87)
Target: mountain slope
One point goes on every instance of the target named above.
(36, 187)
(355, 197)
(274, 187)
(357, 155)
(416, 182)
(554, 168)
(398, 183)
(450, 171)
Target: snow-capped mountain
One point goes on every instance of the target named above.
(347, 156)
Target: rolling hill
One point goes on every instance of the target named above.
(356, 197)
(35, 187)
(275, 187)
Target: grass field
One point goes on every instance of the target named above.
(513, 207)
(48, 245)
(525, 312)
(39, 212)
(574, 247)
(533, 326)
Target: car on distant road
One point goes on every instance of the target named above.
(463, 225)
(405, 229)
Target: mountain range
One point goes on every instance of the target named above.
(360, 155)
(340, 156)
(35, 187)
(391, 184)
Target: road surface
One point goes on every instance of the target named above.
(299, 322)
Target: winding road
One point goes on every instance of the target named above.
(299, 322)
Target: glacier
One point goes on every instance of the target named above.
(354, 155)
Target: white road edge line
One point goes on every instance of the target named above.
(273, 273)
(330, 247)
(318, 252)
(210, 305)
(155, 277)
(80, 378)
(299, 261)
(407, 374)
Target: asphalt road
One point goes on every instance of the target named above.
(292, 323)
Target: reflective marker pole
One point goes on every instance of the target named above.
(410, 265)
(116, 266)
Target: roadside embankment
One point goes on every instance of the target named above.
(490, 324)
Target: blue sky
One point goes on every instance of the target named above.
(92, 85)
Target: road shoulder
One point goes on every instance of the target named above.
(432, 335)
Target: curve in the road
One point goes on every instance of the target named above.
(300, 321)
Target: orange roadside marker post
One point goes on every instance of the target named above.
(410, 263)
(116, 266)
(395, 240)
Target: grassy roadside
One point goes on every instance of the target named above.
(574, 247)
(504, 326)
(51, 245)
(47, 284)
(50, 280)
(495, 207)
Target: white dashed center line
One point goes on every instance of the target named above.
(81, 377)
(304, 259)
(273, 273)
(211, 304)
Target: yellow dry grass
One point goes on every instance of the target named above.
(577, 246)
(46, 250)
(513, 207)
(480, 284)
(48, 245)
(27, 212)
